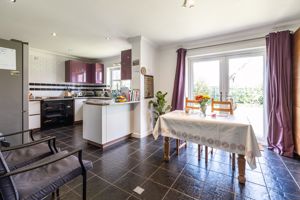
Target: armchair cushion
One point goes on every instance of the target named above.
(38, 183)
(22, 157)
(7, 189)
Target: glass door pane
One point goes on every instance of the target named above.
(246, 78)
(206, 78)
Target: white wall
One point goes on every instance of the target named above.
(48, 67)
(167, 56)
(149, 61)
(146, 52)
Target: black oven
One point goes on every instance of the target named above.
(56, 113)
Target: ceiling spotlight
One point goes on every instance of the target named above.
(188, 3)
(53, 34)
(14, 1)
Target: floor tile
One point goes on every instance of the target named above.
(112, 193)
(145, 169)
(129, 182)
(119, 168)
(176, 195)
(94, 186)
(195, 172)
(189, 186)
(164, 177)
(152, 191)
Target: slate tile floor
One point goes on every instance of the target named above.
(122, 167)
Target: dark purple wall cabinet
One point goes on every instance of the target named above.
(77, 72)
(81, 72)
(97, 74)
(126, 65)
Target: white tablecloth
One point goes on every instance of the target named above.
(229, 133)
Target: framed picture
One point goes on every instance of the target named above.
(148, 86)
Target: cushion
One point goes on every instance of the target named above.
(22, 157)
(37, 184)
(7, 189)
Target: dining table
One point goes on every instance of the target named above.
(230, 133)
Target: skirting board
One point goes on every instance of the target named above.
(141, 135)
(103, 146)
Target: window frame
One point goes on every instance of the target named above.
(224, 75)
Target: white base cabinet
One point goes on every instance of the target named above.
(104, 124)
(34, 118)
(78, 109)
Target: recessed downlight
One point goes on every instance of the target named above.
(53, 34)
(14, 1)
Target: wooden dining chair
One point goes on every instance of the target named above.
(189, 104)
(224, 107)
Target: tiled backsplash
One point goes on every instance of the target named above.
(57, 89)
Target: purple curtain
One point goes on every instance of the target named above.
(178, 90)
(279, 100)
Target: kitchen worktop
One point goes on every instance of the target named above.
(110, 104)
(67, 98)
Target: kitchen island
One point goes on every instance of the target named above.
(107, 123)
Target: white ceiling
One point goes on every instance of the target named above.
(82, 25)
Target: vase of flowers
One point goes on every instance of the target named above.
(203, 100)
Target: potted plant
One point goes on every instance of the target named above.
(160, 106)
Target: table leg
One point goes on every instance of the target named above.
(233, 161)
(177, 146)
(242, 166)
(167, 149)
(206, 154)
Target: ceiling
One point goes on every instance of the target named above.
(83, 25)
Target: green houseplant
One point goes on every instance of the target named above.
(160, 106)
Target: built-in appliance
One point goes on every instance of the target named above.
(13, 89)
(56, 112)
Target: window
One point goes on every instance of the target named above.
(239, 76)
(114, 79)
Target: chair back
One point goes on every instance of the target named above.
(222, 106)
(8, 189)
(188, 105)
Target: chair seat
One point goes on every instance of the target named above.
(24, 156)
(37, 184)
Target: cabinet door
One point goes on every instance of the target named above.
(97, 73)
(78, 109)
(126, 65)
(77, 72)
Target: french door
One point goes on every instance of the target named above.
(239, 76)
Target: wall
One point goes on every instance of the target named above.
(167, 54)
(49, 68)
(146, 52)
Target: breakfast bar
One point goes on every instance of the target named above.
(106, 123)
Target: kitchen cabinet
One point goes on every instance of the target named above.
(97, 73)
(34, 118)
(126, 65)
(77, 72)
(78, 109)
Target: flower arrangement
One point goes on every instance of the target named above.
(203, 100)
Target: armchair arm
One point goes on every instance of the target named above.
(35, 166)
(45, 139)
(19, 132)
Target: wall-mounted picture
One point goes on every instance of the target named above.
(148, 86)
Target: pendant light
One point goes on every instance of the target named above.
(188, 3)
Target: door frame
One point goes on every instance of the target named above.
(224, 75)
